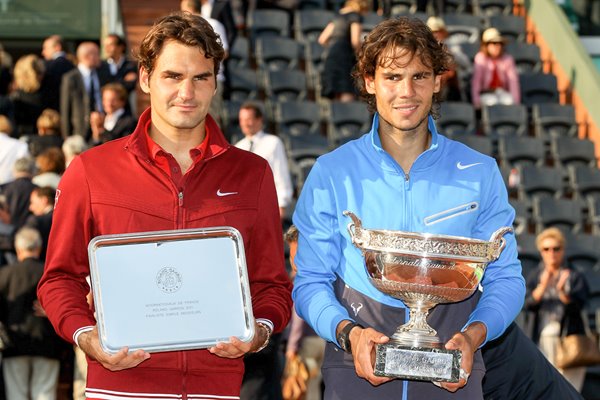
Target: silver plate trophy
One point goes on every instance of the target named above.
(422, 270)
(170, 290)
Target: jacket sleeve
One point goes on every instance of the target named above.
(318, 257)
(63, 288)
(270, 285)
(503, 284)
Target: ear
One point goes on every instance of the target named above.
(369, 84)
(437, 84)
(144, 80)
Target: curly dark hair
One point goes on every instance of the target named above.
(382, 45)
(185, 28)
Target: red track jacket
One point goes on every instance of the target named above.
(117, 188)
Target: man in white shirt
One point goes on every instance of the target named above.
(11, 150)
(269, 147)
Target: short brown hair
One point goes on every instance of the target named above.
(251, 105)
(48, 192)
(185, 28)
(51, 160)
(382, 46)
(117, 88)
(291, 235)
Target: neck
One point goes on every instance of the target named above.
(405, 146)
(179, 142)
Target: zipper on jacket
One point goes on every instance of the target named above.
(451, 213)
(180, 196)
(185, 370)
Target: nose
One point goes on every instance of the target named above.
(186, 89)
(406, 88)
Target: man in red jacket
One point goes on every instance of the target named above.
(175, 171)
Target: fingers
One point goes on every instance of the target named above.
(90, 344)
(234, 349)
(363, 351)
(460, 342)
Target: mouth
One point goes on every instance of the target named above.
(406, 108)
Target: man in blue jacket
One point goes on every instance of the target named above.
(402, 175)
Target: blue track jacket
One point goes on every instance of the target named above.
(450, 189)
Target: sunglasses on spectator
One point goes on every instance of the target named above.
(554, 249)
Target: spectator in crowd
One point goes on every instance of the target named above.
(219, 10)
(304, 348)
(452, 80)
(556, 296)
(194, 7)
(269, 147)
(161, 174)
(18, 191)
(48, 133)
(57, 64)
(116, 121)
(117, 67)
(72, 147)
(80, 92)
(402, 163)
(27, 95)
(31, 361)
(41, 205)
(495, 77)
(5, 71)
(50, 167)
(11, 150)
(342, 38)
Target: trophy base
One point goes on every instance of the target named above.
(416, 363)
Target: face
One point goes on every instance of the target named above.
(37, 204)
(48, 49)
(181, 88)
(403, 91)
(249, 124)
(111, 101)
(552, 252)
(89, 55)
(494, 49)
(111, 48)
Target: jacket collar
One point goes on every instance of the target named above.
(138, 146)
(423, 161)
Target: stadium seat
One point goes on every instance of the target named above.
(572, 151)
(456, 118)
(553, 120)
(538, 88)
(536, 181)
(492, 7)
(584, 181)
(582, 251)
(243, 84)
(564, 214)
(309, 23)
(522, 215)
(285, 85)
(527, 56)
(528, 253)
(521, 150)
(277, 53)
(347, 121)
(239, 54)
(504, 120)
(482, 144)
(511, 27)
(298, 118)
(267, 22)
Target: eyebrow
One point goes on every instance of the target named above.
(202, 75)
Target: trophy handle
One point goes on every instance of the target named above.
(498, 239)
(354, 228)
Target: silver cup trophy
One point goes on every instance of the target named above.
(422, 270)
